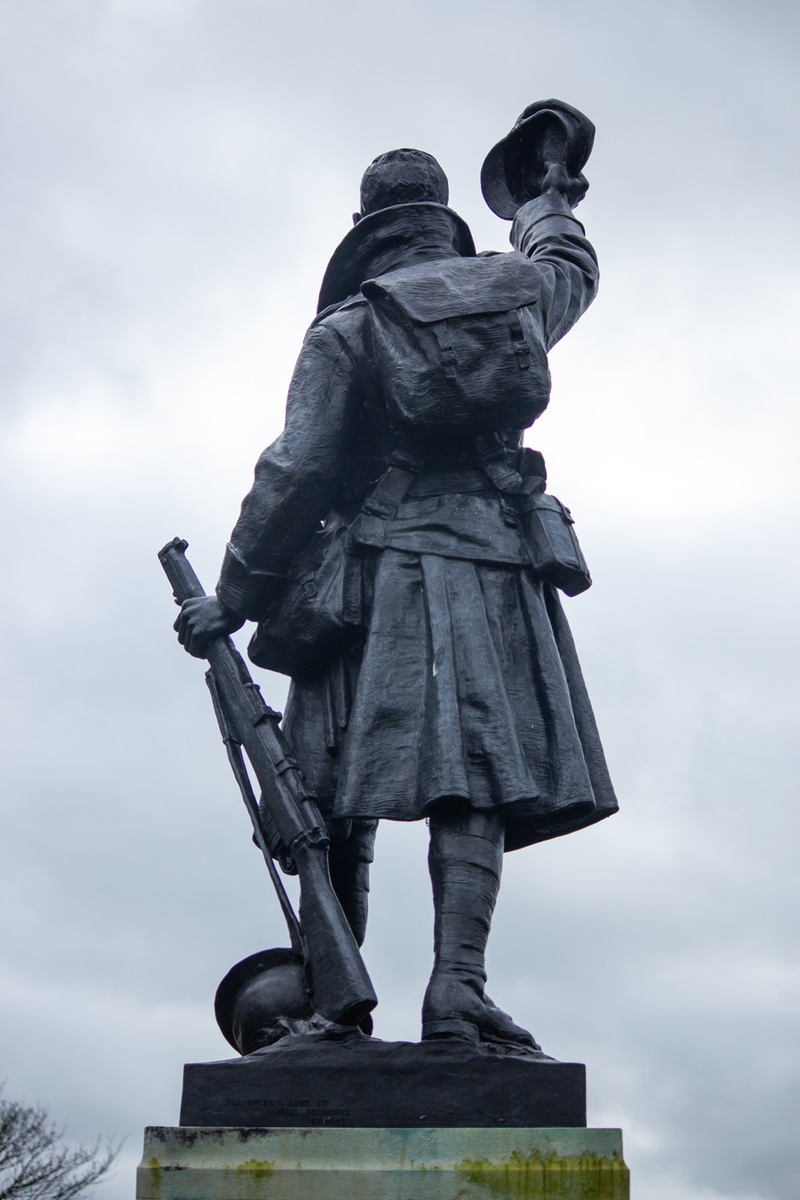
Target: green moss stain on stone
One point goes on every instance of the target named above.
(154, 1167)
(250, 1178)
(547, 1177)
(256, 1169)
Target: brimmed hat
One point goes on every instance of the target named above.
(502, 171)
(281, 994)
(351, 261)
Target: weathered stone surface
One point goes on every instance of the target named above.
(382, 1164)
(367, 1083)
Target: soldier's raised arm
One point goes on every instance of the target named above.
(546, 231)
(534, 177)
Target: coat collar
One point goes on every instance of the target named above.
(379, 241)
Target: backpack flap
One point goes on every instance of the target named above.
(458, 342)
(458, 287)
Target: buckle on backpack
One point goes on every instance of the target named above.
(518, 343)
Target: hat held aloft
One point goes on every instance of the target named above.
(547, 132)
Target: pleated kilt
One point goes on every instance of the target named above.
(467, 690)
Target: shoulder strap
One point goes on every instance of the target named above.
(493, 458)
(369, 527)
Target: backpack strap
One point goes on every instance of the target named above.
(520, 345)
(369, 527)
(493, 458)
(516, 491)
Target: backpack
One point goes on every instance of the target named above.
(457, 342)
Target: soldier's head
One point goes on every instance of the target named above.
(404, 220)
(402, 177)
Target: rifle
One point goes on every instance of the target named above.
(340, 986)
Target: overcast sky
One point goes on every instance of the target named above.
(176, 175)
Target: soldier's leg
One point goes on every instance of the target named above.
(465, 860)
(351, 852)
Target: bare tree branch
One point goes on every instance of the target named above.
(35, 1164)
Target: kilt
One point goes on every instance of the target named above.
(466, 691)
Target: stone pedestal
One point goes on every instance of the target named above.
(369, 1084)
(191, 1163)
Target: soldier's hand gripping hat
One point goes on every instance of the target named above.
(508, 175)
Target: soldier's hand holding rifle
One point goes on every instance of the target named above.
(201, 620)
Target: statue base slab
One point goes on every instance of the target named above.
(369, 1084)
(382, 1164)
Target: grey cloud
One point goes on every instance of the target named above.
(177, 175)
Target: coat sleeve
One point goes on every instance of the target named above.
(295, 477)
(545, 230)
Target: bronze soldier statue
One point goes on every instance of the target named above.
(401, 556)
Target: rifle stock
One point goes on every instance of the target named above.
(340, 986)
